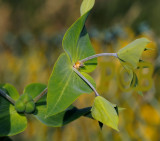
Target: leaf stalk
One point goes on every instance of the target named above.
(44, 92)
(6, 96)
(90, 85)
(98, 55)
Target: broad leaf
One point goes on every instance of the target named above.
(65, 86)
(60, 119)
(34, 90)
(70, 114)
(11, 122)
(25, 103)
(86, 5)
(77, 45)
(130, 54)
(105, 112)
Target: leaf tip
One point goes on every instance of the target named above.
(140, 93)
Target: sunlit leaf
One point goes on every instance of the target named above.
(34, 89)
(65, 86)
(86, 6)
(60, 119)
(105, 112)
(11, 122)
(130, 54)
(140, 93)
(68, 115)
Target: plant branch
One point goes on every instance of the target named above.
(44, 92)
(98, 55)
(91, 86)
(6, 96)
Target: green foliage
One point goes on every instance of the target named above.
(30, 107)
(64, 84)
(20, 106)
(130, 54)
(86, 5)
(11, 122)
(60, 119)
(25, 104)
(105, 112)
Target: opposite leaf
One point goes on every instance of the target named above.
(68, 115)
(11, 122)
(34, 89)
(105, 112)
(130, 54)
(60, 119)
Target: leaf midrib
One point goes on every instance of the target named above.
(105, 110)
(61, 94)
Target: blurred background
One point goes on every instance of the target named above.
(31, 33)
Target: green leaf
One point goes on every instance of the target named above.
(85, 49)
(11, 122)
(86, 6)
(130, 54)
(70, 114)
(65, 86)
(105, 112)
(77, 45)
(26, 103)
(34, 89)
(134, 81)
(60, 119)
(140, 93)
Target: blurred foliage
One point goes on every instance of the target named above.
(30, 42)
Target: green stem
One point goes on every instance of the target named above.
(98, 55)
(6, 96)
(44, 92)
(90, 85)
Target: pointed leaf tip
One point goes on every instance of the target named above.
(65, 86)
(86, 6)
(105, 112)
(131, 53)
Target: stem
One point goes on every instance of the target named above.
(6, 96)
(91, 86)
(98, 55)
(44, 92)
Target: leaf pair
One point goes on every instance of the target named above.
(13, 122)
(105, 112)
(65, 86)
(130, 56)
